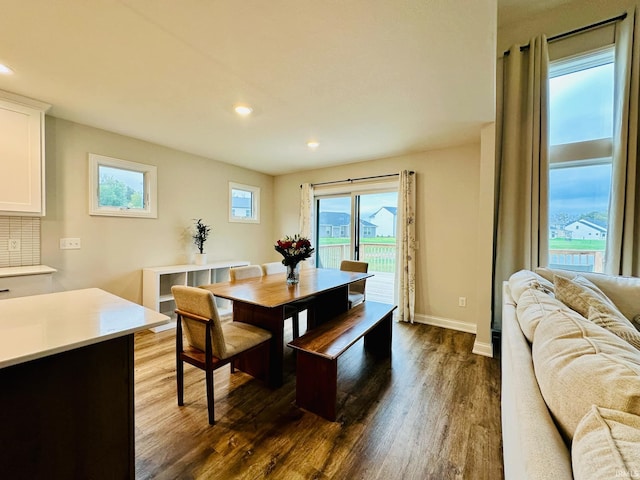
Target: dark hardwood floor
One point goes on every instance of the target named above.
(430, 412)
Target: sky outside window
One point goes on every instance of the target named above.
(580, 109)
(581, 105)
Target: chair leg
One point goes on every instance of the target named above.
(295, 321)
(233, 366)
(209, 381)
(180, 381)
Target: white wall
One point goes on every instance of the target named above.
(114, 250)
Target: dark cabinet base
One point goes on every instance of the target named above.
(70, 415)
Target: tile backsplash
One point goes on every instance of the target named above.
(25, 229)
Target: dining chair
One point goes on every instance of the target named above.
(249, 271)
(210, 343)
(356, 289)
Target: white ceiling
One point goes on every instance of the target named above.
(366, 78)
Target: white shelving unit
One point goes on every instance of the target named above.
(157, 283)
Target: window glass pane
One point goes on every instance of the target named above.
(244, 203)
(578, 216)
(120, 188)
(241, 203)
(581, 105)
(334, 231)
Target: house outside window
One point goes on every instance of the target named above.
(580, 157)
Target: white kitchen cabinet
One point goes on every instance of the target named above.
(21, 155)
(25, 281)
(157, 283)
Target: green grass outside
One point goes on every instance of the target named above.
(566, 244)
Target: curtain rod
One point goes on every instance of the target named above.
(348, 180)
(576, 31)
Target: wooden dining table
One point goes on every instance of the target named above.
(261, 301)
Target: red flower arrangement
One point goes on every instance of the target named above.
(294, 249)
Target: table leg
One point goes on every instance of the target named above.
(328, 305)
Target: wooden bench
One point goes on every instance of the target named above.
(318, 351)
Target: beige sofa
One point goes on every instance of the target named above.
(570, 380)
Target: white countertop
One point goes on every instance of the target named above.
(28, 270)
(43, 325)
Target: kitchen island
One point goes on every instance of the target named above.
(66, 384)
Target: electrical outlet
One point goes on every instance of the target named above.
(14, 244)
(69, 244)
(462, 301)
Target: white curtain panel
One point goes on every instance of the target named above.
(523, 162)
(306, 216)
(406, 247)
(623, 249)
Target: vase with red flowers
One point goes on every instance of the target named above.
(294, 249)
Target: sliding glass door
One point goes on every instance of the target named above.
(360, 226)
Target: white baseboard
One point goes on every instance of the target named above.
(481, 348)
(446, 323)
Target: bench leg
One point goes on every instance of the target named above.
(316, 384)
(378, 340)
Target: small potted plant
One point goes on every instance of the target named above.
(199, 238)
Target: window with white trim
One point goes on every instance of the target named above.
(244, 203)
(122, 188)
(580, 158)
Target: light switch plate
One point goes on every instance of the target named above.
(69, 244)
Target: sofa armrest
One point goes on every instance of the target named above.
(532, 445)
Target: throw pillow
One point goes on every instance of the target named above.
(579, 294)
(606, 445)
(615, 322)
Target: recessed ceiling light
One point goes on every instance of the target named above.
(243, 110)
(4, 70)
(312, 144)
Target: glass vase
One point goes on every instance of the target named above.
(293, 274)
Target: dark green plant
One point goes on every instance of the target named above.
(202, 232)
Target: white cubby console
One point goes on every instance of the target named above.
(157, 283)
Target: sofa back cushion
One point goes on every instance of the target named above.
(606, 445)
(534, 305)
(579, 364)
(523, 280)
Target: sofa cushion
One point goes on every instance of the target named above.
(579, 294)
(615, 322)
(533, 306)
(606, 445)
(579, 364)
(624, 292)
(521, 281)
